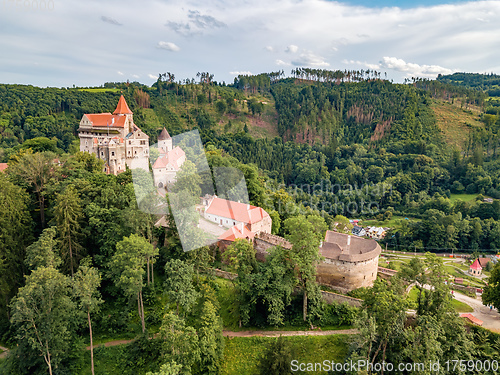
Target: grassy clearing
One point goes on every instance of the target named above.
(455, 122)
(461, 307)
(99, 89)
(241, 354)
(463, 197)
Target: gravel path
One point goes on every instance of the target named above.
(490, 318)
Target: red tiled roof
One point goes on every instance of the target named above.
(472, 318)
(170, 158)
(3, 166)
(122, 107)
(476, 265)
(233, 233)
(236, 211)
(483, 261)
(106, 119)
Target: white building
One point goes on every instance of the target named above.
(169, 162)
(241, 216)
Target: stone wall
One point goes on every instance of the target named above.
(330, 297)
(224, 274)
(263, 241)
(347, 276)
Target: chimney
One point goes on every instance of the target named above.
(241, 228)
(248, 206)
(348, 240)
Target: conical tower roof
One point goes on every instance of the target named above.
(122, 107)
(164, 135)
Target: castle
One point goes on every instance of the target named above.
(115, 139)
(350, 262)
(169, 162)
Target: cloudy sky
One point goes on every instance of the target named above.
(90, 42)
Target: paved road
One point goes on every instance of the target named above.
(490, 318)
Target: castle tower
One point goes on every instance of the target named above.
(122, 109)
(164, 142)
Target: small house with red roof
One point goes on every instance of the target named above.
(169, 162)
(242, 220)
(475, 268)
(3, 166)
(114, 138)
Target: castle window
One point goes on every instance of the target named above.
(102, 153)
(129, 142)
(112, 153)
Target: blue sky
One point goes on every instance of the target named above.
(90, 42)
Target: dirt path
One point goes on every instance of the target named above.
(112, 343)
(490, 318)
(4, 352)
(289, 333)
(256, 333)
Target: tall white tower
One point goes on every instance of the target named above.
(164, 142)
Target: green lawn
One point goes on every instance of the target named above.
(242, 353)
(463, 197)
(461, 307)
(99, 89)
(391, 223)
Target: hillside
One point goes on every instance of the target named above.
(455, 123)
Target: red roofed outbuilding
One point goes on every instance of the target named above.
(228, 213)
(475, 269)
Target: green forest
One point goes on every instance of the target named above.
(82, 266)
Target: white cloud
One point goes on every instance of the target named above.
(224, 36)
(270, 48)
(169, 46)
(243, 73)
(135, 76)
(152, 76)
(282, 63)
(196, 24)
(362, 63)
(310, 59)
(291, 48)
(412, 69)
(119, 73)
